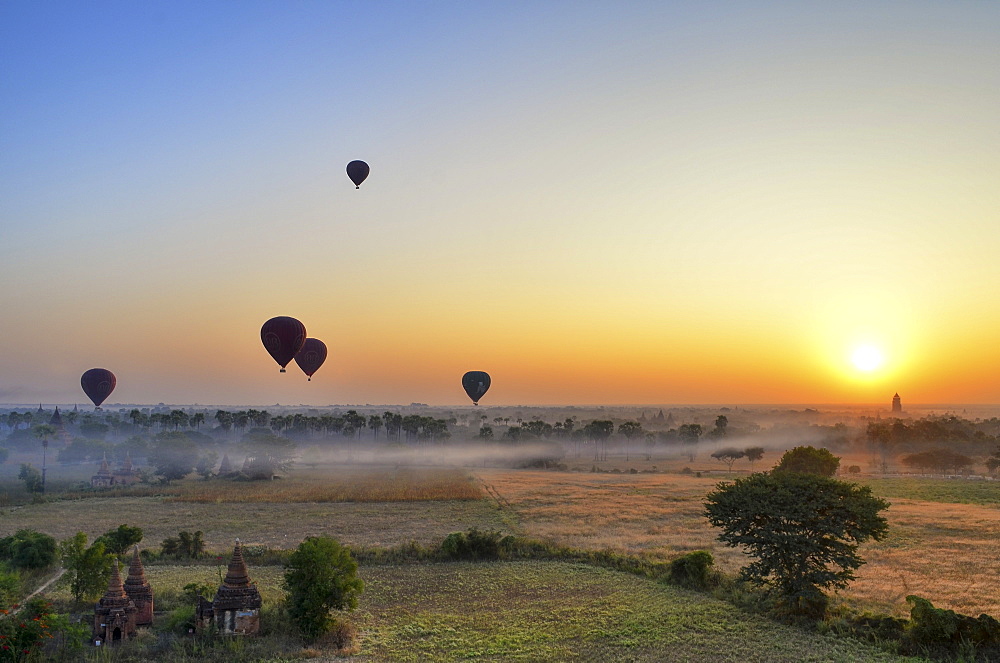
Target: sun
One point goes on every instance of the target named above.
(867, 358)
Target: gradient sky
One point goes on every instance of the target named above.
(595, 202)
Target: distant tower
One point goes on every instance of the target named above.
(897, 406)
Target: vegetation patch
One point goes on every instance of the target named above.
(954, 491)
(554, 611)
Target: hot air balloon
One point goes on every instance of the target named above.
(311, 356)
(357, 171)
(98, 383)
(476, 384)
(283, 338)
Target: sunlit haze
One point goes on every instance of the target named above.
(592, 202)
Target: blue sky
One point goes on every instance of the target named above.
(656, 202)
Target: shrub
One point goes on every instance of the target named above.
(472, 545)
(935, 626)
(24, 634)
(809, 460)
(342, 636)
(181, 620)
(28, 549)
(691, 570)
(321, 576)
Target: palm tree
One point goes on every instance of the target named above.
(43, 432)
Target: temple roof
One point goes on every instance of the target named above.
(115, 597)
(56, 419)
(237, 591)
(136, 573)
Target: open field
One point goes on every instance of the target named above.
(545, 611)
(943, 551)
(272, 524)
(941, 543)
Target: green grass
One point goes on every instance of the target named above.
(514, 611)
(552, 611)
(953, 491)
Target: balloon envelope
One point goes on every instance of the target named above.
(311, 356)
(283, 338)
(476, 384)
(98, 383)
(357, 171)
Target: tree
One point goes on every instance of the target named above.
(184, 544)
(86, 567)
(43, 432)
(992, 463)
(753, 454)
(729, 456)
(809, 460)
(117, 541)
(31, 477)
(271, 452)
(206, 464)
(173, 456)
(689, 434)
(802, 529)
(374, 422)
(599, 431)
(321, 576)
(721, 422)
(630, 430)
(28, 549)
(938, 459)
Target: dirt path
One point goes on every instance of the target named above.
(38, 591)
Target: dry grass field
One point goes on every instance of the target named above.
(376, 508)
(946, 552)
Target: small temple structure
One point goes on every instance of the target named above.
(139, 591)
(61, 433)
(125, 475)
(897, 405)
(225, 467)
(236, 607)
(115, 613)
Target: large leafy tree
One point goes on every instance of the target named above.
(117, 541)
(86, 566)
(802, 530)
(321, 576)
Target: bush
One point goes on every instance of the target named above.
(321, 576)
(809, 460)
(691, 570)
(181, 620)
(934, 626)
(472, 545)
(28, 549)
(342, 636)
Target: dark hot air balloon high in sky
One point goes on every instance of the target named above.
(283, 338)
(311, 356)
(357, 171)
(98, 383)
(476, 384)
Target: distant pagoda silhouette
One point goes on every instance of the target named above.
(897, 405)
